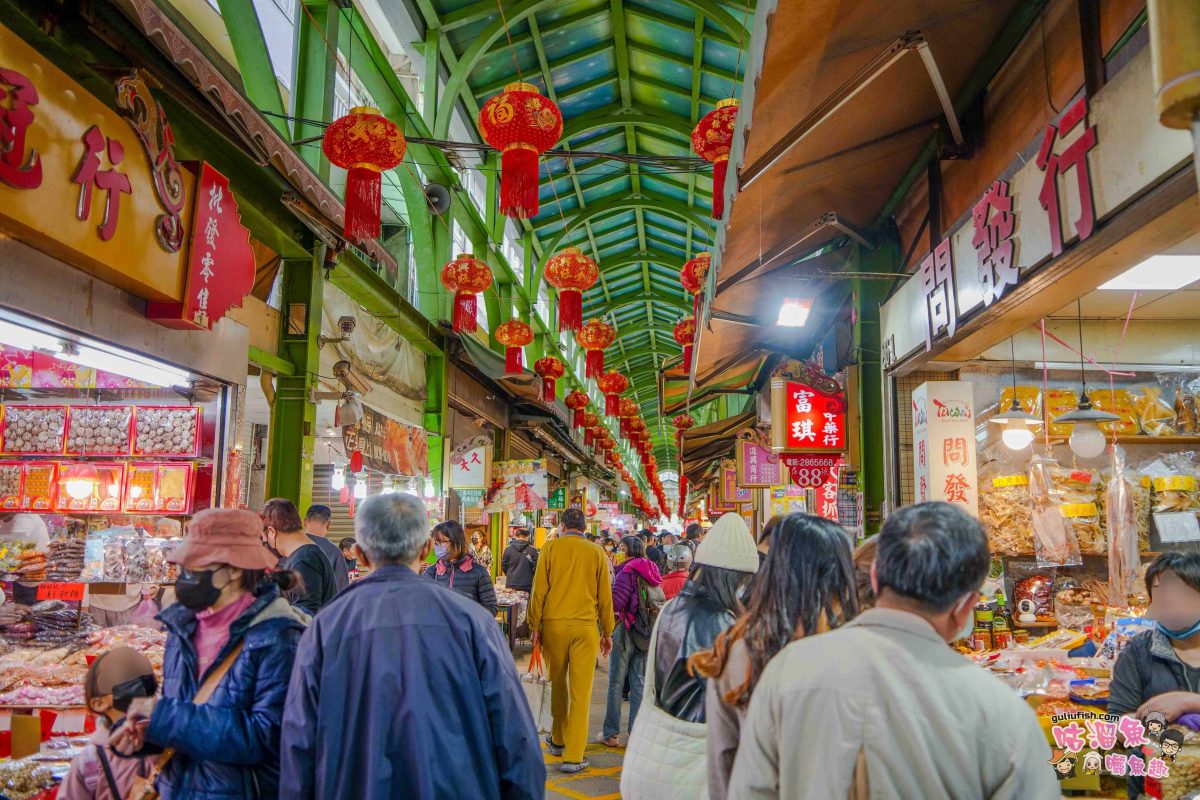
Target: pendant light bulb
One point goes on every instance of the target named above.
(1087, 441)
(360, 487)
(338, 481)
(1016, 435)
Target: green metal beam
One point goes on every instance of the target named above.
(569, 22)
(253, 61)
(683, 61)
(664, 86)
(488, 89)
(614, 115)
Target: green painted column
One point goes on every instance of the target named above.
(436, 414)
(294, 415)
(316, 69)
(869, 296)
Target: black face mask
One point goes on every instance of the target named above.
(194, 589)
(124, 693)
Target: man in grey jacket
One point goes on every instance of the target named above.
(882, 707)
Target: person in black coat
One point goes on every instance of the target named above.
(519, 562)
(457, 569)
(653, 551)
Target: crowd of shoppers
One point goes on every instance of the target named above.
(794, 680)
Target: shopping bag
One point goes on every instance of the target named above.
(537, 691)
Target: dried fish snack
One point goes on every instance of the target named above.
(1005, 512)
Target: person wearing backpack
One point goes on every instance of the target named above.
(519, 562)
(637, 599)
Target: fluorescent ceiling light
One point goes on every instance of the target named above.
(794, 313)
(138, 369)
(24, 338)
(1158, 274)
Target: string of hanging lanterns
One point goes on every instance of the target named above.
(466, 276)
(521, 124)
(514, 335)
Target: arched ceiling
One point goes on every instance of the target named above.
(631, 77)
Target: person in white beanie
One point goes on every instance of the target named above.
(666, 757)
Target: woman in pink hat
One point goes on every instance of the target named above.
(231, 642)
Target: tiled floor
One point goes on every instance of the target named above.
(602, 780)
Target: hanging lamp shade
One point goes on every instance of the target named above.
(626, 410)
(364, 143)
(571, 273)
(590, 421)
(692, 276)
(685, 335)
(549, 369)
(711, 139)
(577, 401)
(521, 124)
(613, 384)
(594, 336)
(514, 335)
(466, 276)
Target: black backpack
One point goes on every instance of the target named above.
(650, 602)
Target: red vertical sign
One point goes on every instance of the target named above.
(815, 421)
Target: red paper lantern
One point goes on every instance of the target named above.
(685, 335)
(571, 273)
(514, 335)
(711, 139)
(613, 384)
(594, 336)
(521, 124)
(577, 401)
(549, 369)
(466, 276)
(590, 422)
(626, 410)
(682, 422)
(692, 276)
(364, 143)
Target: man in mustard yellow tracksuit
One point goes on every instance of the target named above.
(571, 617)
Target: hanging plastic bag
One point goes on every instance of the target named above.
(1121, 517)
(1054, 540)
(537, 691)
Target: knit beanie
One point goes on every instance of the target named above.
(728, 545)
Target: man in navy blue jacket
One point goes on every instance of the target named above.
(402, 689)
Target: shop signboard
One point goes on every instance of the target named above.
(392, 447)
(557, 500)
(731, 493)
(471, 467)
(807, 416)
(114, 170)
(944, 461)
(1083, 167)
(808, 471)
(825, 496)
(470, 498)
(606, 511)
(220, 263)
(716, 502)
(757, 467)
(621, 522)
(518, 486)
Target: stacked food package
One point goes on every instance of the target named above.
(66, 559)
(112, 555)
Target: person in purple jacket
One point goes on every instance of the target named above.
(626, 657)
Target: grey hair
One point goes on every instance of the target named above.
(392, 528)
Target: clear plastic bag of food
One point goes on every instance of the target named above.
(1155, 415)
(1004, 508)
(135, 559)
(1173, 480)
(1084, 519)
(114, 559)
(1055, 543)
(1058, 402)
(93, 557)
(1124, 551)
(1119, 402)
(1183, 404)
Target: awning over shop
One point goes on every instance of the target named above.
(707, 444)
(740, 372)
(850, 95)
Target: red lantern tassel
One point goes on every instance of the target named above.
(513, 362)
(594, 364)
(547, 390)
(588, 437)
(612, 405)
(362, 204)
(519, 183)
(718, 197)
(464, 312)
(570, 310)
(624, 428)
(577, 420)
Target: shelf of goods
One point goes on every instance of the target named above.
(99, 459)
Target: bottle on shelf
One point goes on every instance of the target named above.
(1002, 630)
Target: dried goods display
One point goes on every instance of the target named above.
(159, 487)
(24, 780)
(166, 431)
(1058, 402)
(66, 559)
(32, 565)
(42, 696)
(99, 430)
(39, 487)
(1034, 601)
(34, 430)
(105, 494)
(10, 486)
(10, 557)
(1119, 402)
(1156, 417)
(1054, 539)
(1006, 515)
(1175, 493)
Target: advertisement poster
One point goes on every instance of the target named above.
(944, 462)
(392, 447)
(757, 467)
(518, 486)
(731, 493)
(471, 467)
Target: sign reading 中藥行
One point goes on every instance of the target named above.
(804, 418)
(944, 462)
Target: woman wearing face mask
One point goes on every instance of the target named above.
(231, 640)
(457, 569)
(483, 553)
